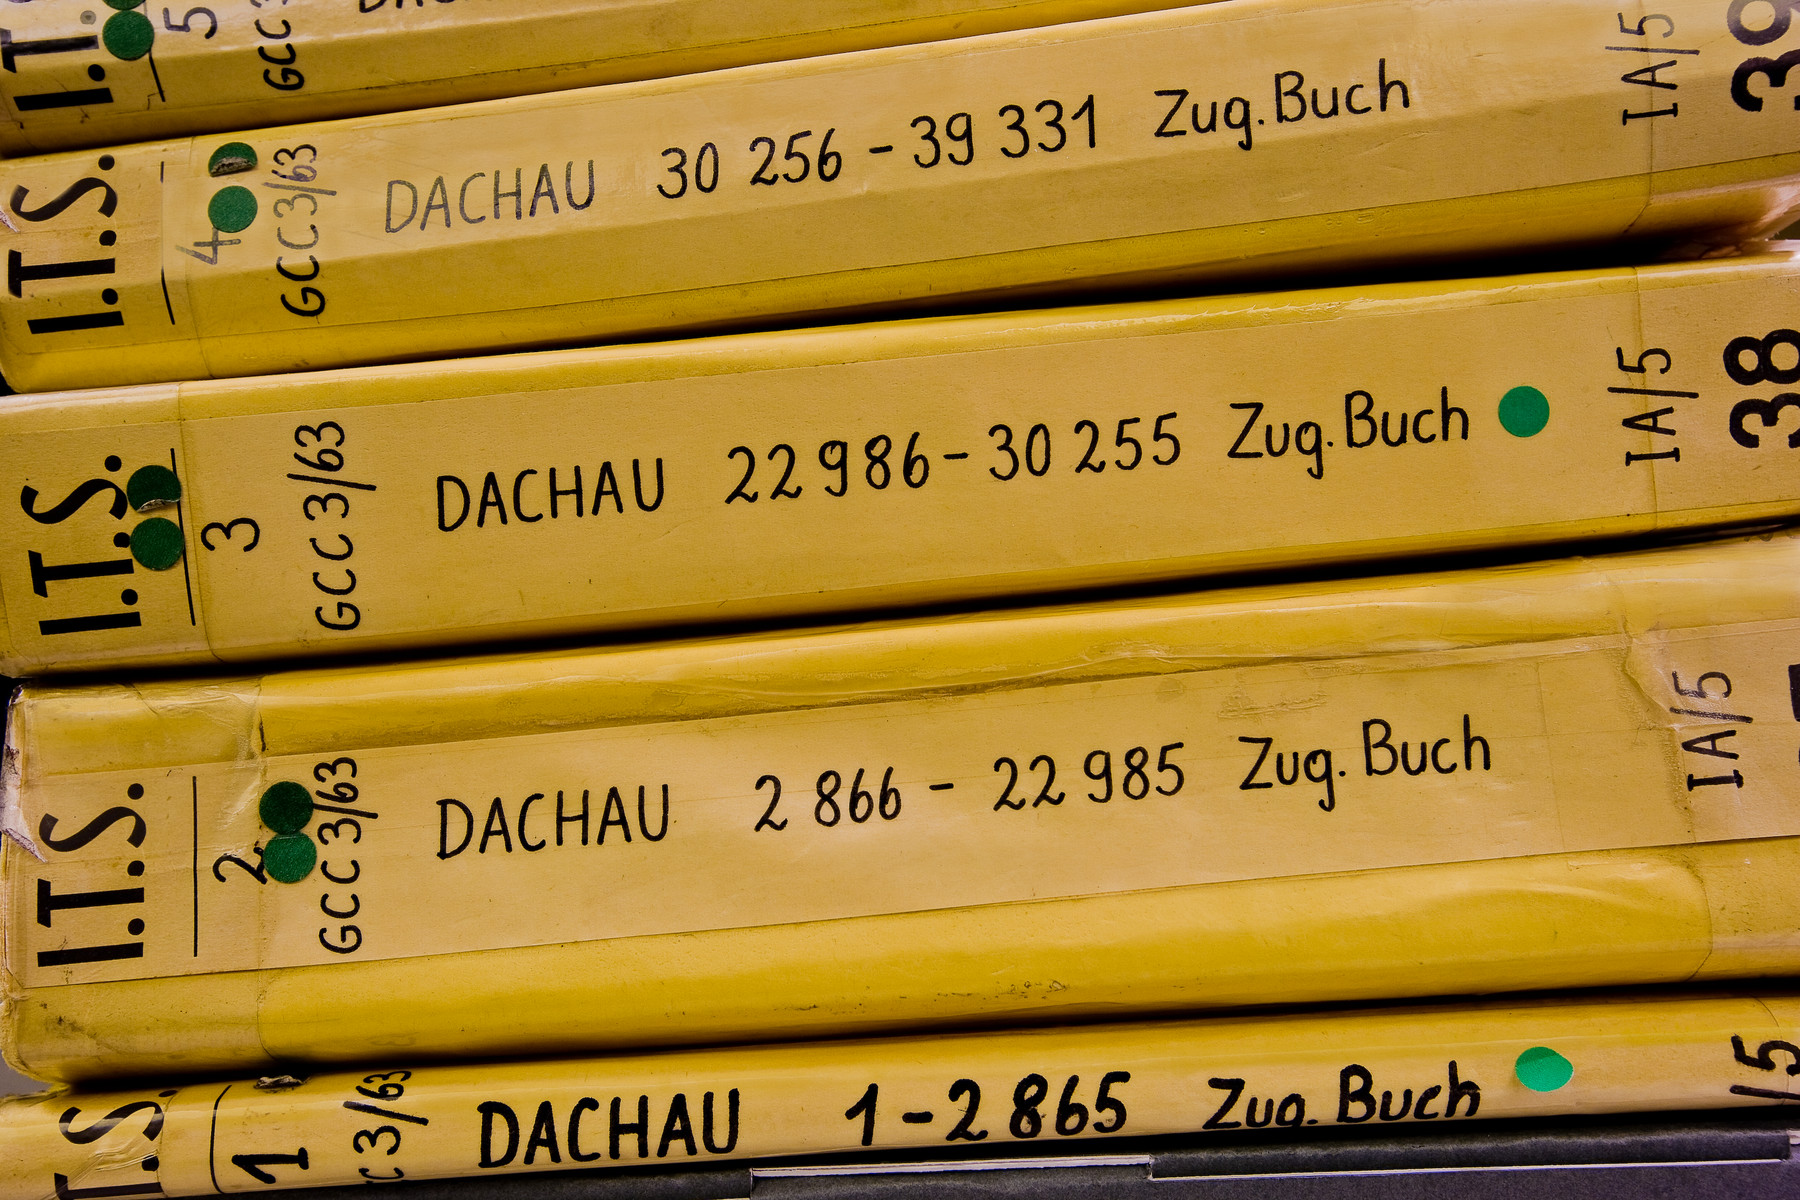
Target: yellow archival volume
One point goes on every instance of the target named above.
(1573, 773)
(1210, 143)
(1057, 1090)
(803, 473)
(76, 77)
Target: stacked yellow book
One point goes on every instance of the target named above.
(1064, 831)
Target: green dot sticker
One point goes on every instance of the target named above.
(123, 5)
(232, 209)
(1543, 1070)
(152, 487)
(156, 543)
(289, 857)
(286, 807)
(231, 159)
(1524, 411)
(127, 35)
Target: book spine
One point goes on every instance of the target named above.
(577, 492)
(1016, 163)
(71, 81)
(1050, 1088)
(1147, 782)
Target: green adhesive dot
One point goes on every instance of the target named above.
(232, 209)
(152, 487)
(286, 807)
(127, 35)
(156, 543)
(1524, 411)
(1543, 1070)
(123, 5)
(230, 159)
(289, 857)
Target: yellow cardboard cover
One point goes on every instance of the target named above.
(1053, 1089)
(1579, 772)
(776, 474)
(97, 77)
(1209, 143)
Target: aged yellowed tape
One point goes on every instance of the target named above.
(854, 811)
(806, 473)
(97, 78)
(1595, 753)
(1030, 162)
(1054, 1090)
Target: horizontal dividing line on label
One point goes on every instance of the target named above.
(349, 812)
(121, 620)
(97, 320)
(294, 187)
(377, 1110)
(329, 482)
(1744, 1089)
(1628, 391)
(942, 787)
(76, 99)
(90, 954)
(1651, 50)
(957, 455)
(1713, 716)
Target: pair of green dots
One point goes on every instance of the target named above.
(128, 33)
(232, 208)
(156, 542)
(286, 807)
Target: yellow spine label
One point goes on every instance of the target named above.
(1337, 133)
(1054, 1088)
(362, 853)
(75, 78)
(783, 474)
